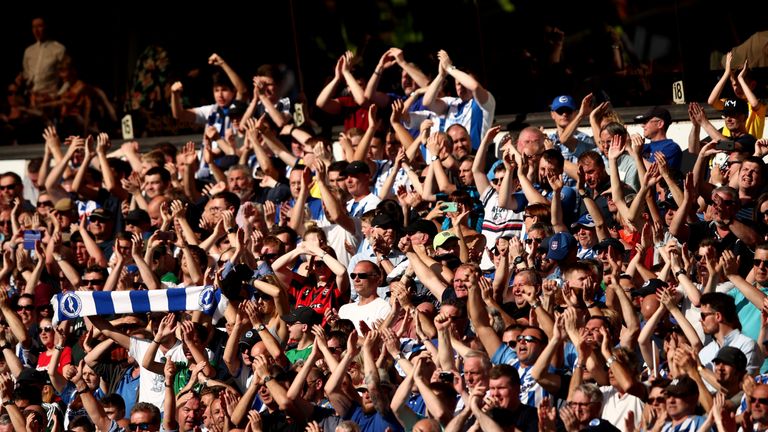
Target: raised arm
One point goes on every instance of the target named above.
(341, 403)
(358, 93)
(325, 100)
(540, 370)
(177, 107)
(479, 93)
(714, 97)
(240, 87)
(753, 101)
(478, 166)
(431, 99)
(480, 320)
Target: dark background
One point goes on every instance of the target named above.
(503, 41)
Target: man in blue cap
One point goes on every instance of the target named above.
(567, 139)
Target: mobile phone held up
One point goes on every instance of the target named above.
(449, 207)
(30, 237)
(725, 145)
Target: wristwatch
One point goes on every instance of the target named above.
(433, 158)
(261, 327)
(681, 272)
(58, 348)
(267, 379)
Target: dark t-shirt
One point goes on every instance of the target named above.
(701, 230)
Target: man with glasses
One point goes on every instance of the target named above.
(11, 188)
(300, 323)
(656, 122)
(758, 406)
(585, 404)
(568, 140)
(682, 397)
(369, 307)
(720, 320)
(94, 278)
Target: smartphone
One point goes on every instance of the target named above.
(166, 235)
(446, 377)
(450, 207)
(727, 145)
(30, 236)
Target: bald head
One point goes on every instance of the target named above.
(758, 405)
(153, 209)
(427, 425)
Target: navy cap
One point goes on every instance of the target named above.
(559, 246)
(564, 101)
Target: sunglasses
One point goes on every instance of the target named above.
(28, 308)
(3, 324)
(139, 426)
(8, 187)
(660, 399)
(511, 343)
(759, 262)
(337, 350)
(762, 401)
(530, 240)
(361, 276)
(269, 256)
(92, 281)
(45, 204)
(527, 339)
(5, 222)
(726, 203)
(495, 181)
(562, 111)
(704, 315)
(46, 329)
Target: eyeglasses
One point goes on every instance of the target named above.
(269, 256)
(660, 399)
(5, 222)
(511, 343)
(724, 203)
(495, 181)
(563, 111)
(3, 324)
(704, 315)
(46, 329)
(139, 426)
(530, 240)
(28, 308)
(92, 281)
(759, 262)
(573, 404)
(527, 339)
(762, 401)
(8, 187)
(361, 276)
(45, 204)
(337, 350)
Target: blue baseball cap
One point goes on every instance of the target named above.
(559, 245)
(564, 101)
(585, 220)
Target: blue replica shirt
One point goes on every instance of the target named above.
(671, 151)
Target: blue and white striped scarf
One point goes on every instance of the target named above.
(75, 304)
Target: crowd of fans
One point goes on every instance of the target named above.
(427, 272)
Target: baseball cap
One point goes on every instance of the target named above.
(357, 167)
(137, 217)
(585, 220)
(732, 356)
(250, 338)
(441, 238)
(668, 202)
(564, 101)
(422, 226)
(735, 106)
(101, 214)
(383, 220)
(64, 205)
(656, 112)
(617, 245)
(559, 245)
(649, 287)
(304, 315)
(683, 386)
(29, 376)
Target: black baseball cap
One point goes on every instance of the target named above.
(357, 167)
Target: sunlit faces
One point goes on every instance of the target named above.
(462, 143)
(223, 95)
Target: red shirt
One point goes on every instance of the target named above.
(44, 359)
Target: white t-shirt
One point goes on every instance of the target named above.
(152, 385)
(369, 313)
(616, 406)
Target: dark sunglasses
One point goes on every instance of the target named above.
(704, 315)
(762, 401)
(5, 222)
(495, 181)
(725, 203)
(758, 262)
(139, 426)
(3, 324)
(92, 281)
(29, 308)
(530, 240)
(660, 399)
(562, 111)
(261, 296)
(46, 329)
(527, 339)
(337, 350)
(362, 276)
(8, 187)
(512, 343)
(269, 256)
(45, 204)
